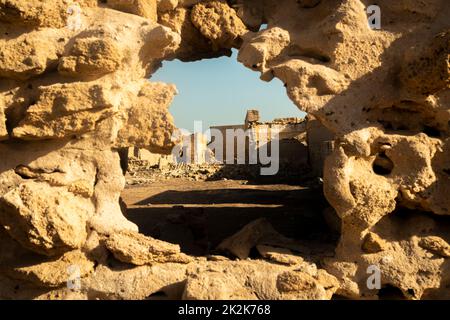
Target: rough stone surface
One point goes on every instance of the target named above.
(45, 219)
(254, 280)
(193, 44)
(279, 255)
(74, 89)
(3, 130)
(149, 110)
(143, 8)
(64, 110)
(37, 13)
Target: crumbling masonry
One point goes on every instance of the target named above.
(74, 90)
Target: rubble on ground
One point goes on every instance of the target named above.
(74, 91)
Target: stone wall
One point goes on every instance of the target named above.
(290, 134)
(320, 144)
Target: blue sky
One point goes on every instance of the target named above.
(220, 91)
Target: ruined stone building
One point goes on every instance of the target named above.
(192, 149)
(289, 132)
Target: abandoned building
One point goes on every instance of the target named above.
(77, 88)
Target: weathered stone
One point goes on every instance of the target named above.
(137, 249)
(48, 220)
(3, 130)
(255, 280)
(428, 71)
(34, 12)
(30, 55)
(72, 266)
(143, 8)
(64, 110)
(167, 5)
(261, 48)
(135, 283)
(280, 255)
(193, 44)
(148, 122)
(75, 88)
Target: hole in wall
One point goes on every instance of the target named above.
(311, 55)
(390, 292)
(407, 116)
(160, 295)
(440, 293)
(198, 215)
(404, 223)
(432, 132)
(411, 292)
(382, 165)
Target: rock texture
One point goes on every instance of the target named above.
(74, 90)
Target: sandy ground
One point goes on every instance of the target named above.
(198, 215)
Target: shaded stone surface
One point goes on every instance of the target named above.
(74, 89)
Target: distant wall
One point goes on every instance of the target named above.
(235, 143)
(153, 159)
